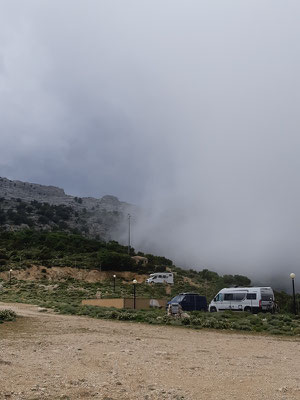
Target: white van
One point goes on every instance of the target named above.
(251, 299)
(161, 277)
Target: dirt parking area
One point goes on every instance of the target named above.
(44, 355)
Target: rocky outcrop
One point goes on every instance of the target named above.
(21, 207)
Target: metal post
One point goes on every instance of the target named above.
(134, 293)
(10, 271)
(114, 283)
(292, 275)
(294, 296)
(129, 216)
(134, 297)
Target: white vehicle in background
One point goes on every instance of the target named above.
(161, 277)
(251, 299)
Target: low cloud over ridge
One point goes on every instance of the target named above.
(189, 110)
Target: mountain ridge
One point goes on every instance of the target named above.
(23, 204)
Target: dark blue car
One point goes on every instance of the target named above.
(190, 301)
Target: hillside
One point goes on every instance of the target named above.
(28, 205)
(46, 258)
(23, 249)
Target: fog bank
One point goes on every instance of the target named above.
(189, 110)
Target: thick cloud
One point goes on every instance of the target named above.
(189, 109)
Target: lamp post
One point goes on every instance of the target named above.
(10, 272)
(292, 276)
(114, 276)
(129, 216)
(134, 293)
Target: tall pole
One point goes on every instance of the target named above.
(292, 275)
(134, 293)
(114, 283)
(294, 296)
(129, 216)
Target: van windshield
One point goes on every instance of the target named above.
(178, 299)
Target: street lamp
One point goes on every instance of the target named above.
(10, 272)
(292, 276)
(129, 216)
(114, 276)
(134, 293)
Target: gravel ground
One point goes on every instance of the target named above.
(44, 355)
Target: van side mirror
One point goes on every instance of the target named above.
(215, 299)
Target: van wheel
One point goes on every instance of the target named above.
(212, 309)
(247, 309)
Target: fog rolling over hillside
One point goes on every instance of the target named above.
(202, 237)
(188, 109)
(170, 228)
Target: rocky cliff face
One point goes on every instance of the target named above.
(24, 204)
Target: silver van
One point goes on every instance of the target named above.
(251, 299)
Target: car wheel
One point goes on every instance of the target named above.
(212, 309)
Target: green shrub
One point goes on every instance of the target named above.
(242, 325)
(7, 315)
(296, 331)
(255, 321)
(126, 316)
(196, 321)
(286, 318)
(68, 309)
(276, 332)
(186, 321)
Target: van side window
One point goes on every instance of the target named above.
(228, 296)
(251, 296)
(239, 296)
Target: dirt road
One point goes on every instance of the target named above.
(50, 356)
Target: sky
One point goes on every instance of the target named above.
(188, 109)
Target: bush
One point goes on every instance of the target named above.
(276, 332)
(7, 315)
(126, 316)
(186, 321)
(68, 309)
(296, 331)
(241, 326)
(112, 261)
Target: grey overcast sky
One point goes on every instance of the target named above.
(187, 108)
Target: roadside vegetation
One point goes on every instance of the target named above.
(20, 250)
(7, 315)
(65, 298)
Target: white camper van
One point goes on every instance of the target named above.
(251, 299)
(161, 277)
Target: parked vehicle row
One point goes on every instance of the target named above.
(249, 299)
